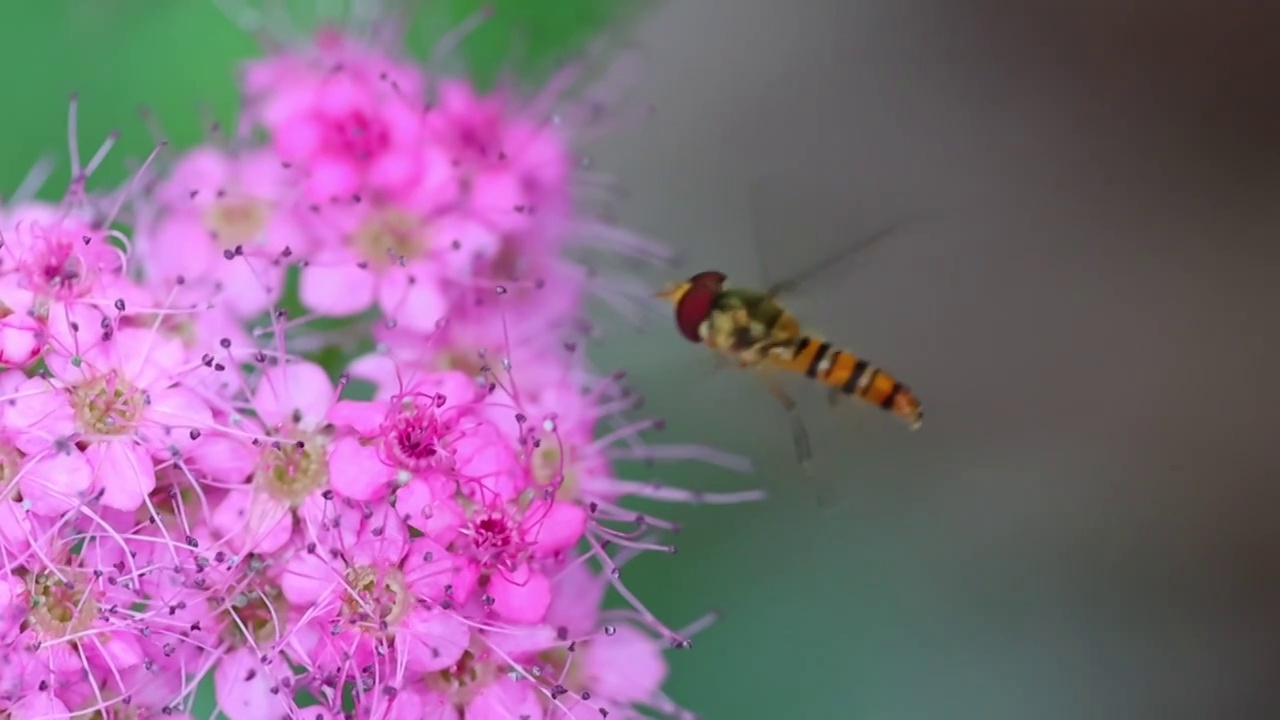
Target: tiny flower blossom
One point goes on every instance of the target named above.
(514, 169)
(287, 489)
(58, 272)
(346, 114)
(104, 416)
(394, 257)
(233, 218)
(69, 614)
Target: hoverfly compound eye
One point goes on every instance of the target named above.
(695, 307)
(712, 279)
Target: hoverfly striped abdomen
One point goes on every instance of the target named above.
(847, 374)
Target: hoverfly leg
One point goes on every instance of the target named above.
(799, 434)
(800, 437)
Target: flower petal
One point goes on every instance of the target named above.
(335, 286)
(627, 666)
(37, 415)
(243, 688)
(521, 595)
(434, 639)
(301, 387)
(416, 301)
(505, 698)
(57, 483)
(307, 578)
(554, 526)
(123, 472)
(357, 472)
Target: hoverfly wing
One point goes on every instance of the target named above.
(787, 215)
(791, 284)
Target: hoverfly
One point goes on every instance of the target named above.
(751, 329)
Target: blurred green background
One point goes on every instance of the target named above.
(122, 54)
(1080, 530)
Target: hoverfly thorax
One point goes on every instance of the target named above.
(694, 301)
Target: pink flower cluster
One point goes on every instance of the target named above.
(188, 494)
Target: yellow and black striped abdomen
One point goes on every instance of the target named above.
(848, 374)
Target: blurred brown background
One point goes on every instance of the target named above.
(1085, 526)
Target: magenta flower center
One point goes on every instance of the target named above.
(58, 270)
(389, 238)
(377, 596)
(358, 136)
(236, 222)
(291, 471)
(495, 540)
(107, 405)
(413, 437)
(472, 142)
(475, 140)
(493, 533)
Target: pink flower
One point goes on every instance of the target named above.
(103, 417)
(515, 170)
(407, 440)
(59, 257)
(59, 272)
(284, 495)
(69, 615)
(397, 258)
(505, 547)
(383, 595)
(290, 462)
(348, 116)
(59, 267)
(222, 224)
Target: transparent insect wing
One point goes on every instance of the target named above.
(808, 238)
